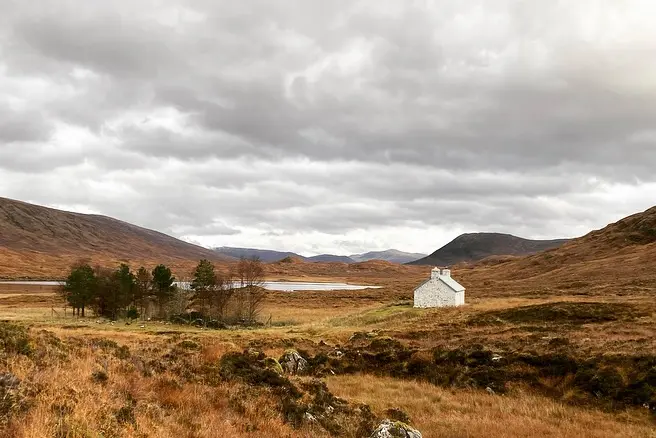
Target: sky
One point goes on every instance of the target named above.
(332, 127)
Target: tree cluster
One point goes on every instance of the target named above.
(113, 293)
(116, 293)
(240, 290)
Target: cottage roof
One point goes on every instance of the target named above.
(457, 287)
(454, 285)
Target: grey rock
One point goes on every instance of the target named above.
(395, 429)
(293, 363)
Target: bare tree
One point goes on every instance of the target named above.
(221, 295)
(250, 276)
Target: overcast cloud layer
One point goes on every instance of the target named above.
(340, 126)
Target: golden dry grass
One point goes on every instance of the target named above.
(165, 405)
(164, 408)
(443, 413)
(73, 405)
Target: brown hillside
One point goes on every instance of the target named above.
(620, 257)
(38, 241)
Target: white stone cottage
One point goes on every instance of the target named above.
(440, 290)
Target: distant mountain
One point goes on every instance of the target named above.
(271, 256)
(391, 255)
(38, 241)
(473, 247)
(265, 255)
(330, 258)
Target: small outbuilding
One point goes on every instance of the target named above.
(440, 290)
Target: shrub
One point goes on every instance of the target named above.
(132, 313)
(100, 376)
(14, 339)
(123, 352)
(188, 345)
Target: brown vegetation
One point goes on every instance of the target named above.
(562, 343)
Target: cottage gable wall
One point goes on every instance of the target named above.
(439, 291)
(435, 293)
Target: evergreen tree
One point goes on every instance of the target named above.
(127, 287)
(203, 285)
(114, 291)
(80, 287)
(163, 287)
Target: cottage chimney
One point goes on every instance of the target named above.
(446, 272)
(435, 273)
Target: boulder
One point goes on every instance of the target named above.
(395, 429)
(292, 362)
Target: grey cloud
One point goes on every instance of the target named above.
(111, 43)
(442, 118)
(332, 116)
(212, 229)
(22, 126)
(32, 158)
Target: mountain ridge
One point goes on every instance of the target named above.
(272, 256)
(474, 247)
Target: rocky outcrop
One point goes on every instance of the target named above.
(293, 363)
(395, 429)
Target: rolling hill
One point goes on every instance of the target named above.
(330, 258)
(41, 242)
(473, 247)
(266, 255)
(617, 260)
(390, 255)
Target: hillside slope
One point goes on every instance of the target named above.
(617, 259)
(266, 255)
(473, 247)
(41, 241)
(390, 255)
(330, 258)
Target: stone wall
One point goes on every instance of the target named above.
(434, 293)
